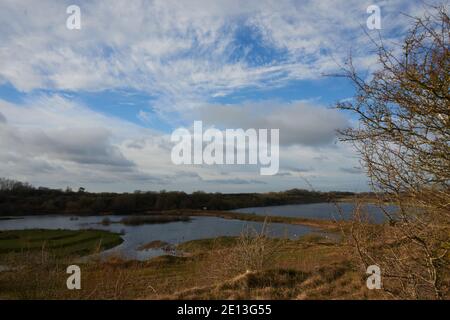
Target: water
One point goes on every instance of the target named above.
(323, 210)
(198, 228)
(135, 236)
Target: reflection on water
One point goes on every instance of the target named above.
(321, 211)
(135, 236)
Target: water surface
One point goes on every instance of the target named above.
(173, 232)
(322, 210)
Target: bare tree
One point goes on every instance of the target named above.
(254, 251)
(13, 185)
(403, 138)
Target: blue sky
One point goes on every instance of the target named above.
(126, 103)
(96, 106)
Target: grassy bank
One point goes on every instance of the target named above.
(311, 267)
(317, 223)
(153, 219)
(59, 242)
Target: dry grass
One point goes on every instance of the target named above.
(251, 266)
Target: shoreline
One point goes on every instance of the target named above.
(326, 224)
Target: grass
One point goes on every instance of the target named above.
(156, 244)
(310, 267)
(202, 245)
(60, 242)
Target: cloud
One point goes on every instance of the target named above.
(63, 140)
(299, 123)
(184, 53)
(143, 116)
(236, 181)
(59, 142)
(135, 144)
(79, 145)
(52, 141)
(292, 171)
(353, 170)
(54, 127)
(2, 119)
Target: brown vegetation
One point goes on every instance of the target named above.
(138, 220)
(310, 268)
(404, 141)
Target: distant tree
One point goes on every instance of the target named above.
(13, 185)
(124, 204)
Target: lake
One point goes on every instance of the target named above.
(322, 210)
(173, 232)
(198, 228)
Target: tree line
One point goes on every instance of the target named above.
(18, 198)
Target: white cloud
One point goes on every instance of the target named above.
(2, 119)
(54, 142)
(299, 122)
(182, 51)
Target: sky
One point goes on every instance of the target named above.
(96, 107)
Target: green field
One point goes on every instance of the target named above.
(60, 242)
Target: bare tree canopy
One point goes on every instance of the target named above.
(403, 137)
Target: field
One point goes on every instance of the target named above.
(59, 242)
(246, 267)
